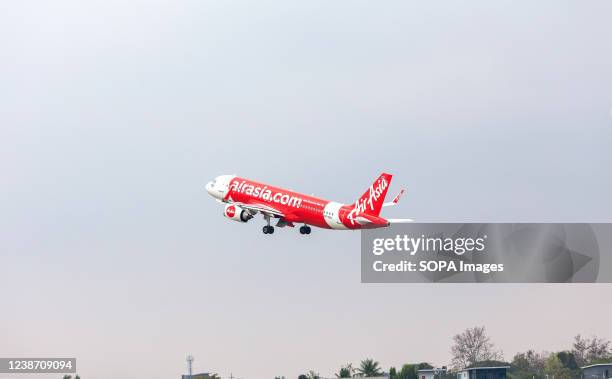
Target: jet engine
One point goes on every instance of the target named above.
(236, 213)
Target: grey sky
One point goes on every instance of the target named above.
(113, 116)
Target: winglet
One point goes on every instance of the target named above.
(395, 199)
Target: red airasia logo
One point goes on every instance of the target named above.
(230, 211)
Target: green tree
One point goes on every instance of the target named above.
(369, 368)
(555, 367)
(408, 371)
(346, 371)
(313, 375)
(528, 365)
(568, 360)
(302, 377)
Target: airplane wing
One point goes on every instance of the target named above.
(395, 199)
(264, 209)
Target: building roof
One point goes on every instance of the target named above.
(484, 368)
(431, 369)
(597, 364)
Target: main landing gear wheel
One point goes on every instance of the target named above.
(305, 229)
(268, 229)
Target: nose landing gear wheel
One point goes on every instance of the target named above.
(305, 229)
(268, 229)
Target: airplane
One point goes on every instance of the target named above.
(244, 198)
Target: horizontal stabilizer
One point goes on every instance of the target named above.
(368, 220)
(400, 220)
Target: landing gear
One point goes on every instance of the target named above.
(305, 229)
(268, 229)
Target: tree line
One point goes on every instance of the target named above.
(474, 348)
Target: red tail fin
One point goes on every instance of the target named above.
(373, 198)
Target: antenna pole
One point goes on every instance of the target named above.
(189, 365)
